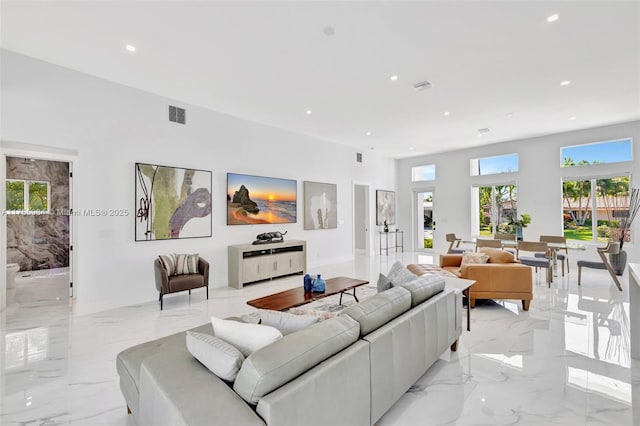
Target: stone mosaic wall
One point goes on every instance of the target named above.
(40, 241)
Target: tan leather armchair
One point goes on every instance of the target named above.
(166, 284)
(493, 280)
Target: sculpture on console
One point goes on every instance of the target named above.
(270, 237)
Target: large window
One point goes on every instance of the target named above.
(27, 195)
(422, 173)
(592, 207)
(596, 153)
(493, 207)
(494, 165)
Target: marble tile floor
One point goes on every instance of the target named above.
(566, 361)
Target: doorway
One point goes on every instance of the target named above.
(39, 225)
(425, 225)
(361, 228)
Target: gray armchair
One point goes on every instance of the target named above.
(166, 284)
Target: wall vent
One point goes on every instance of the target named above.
(359, 157)
(177, 115)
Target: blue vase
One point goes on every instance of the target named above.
(519, 233)
(319, 285)
(308, 283)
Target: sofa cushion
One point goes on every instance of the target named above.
(248, 338)
(185, 282)
(221, 358)
(169, 263)
(379, 309)
(424, 287)
(498, 255)
(272, 366)
(286, 323)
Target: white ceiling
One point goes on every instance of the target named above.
(271, 61)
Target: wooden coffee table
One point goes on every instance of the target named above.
(296, 296)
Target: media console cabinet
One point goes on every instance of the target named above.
(249, 263)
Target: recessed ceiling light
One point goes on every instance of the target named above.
(446, 113)
(411, 148)
(553, 18)
(393, 78)
(329, 31)
(368, 133)
(509, 114)
(308, 112)
(573, 117)
(423, 85)
(130, 47)
(479, 135)
(565, 83)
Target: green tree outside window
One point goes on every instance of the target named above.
(15, 195)
(38, 196)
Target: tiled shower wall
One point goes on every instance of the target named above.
(40, 241)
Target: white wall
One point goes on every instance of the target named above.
(111, 127)
(539, 183)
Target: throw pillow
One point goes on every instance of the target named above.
(169, 263)
(470, 258)
(221, 358)
(286, 323)
(399, 275)
(186, 263)
(497, 255)
(248, 338)
(383, 283)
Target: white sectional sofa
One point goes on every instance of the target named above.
(347, 370)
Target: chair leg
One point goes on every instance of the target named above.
(161, 301)
(525, 304)
(128, 410)
(562, 268)
(189, 291)
(579, 273)
(207, 292)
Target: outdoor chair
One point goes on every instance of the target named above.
(611, 248)
(504, 236)
(536, 262)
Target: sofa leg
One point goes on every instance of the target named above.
(454, 346)
(472, 303)
(128, 410)
(525, 304)
(189, 291)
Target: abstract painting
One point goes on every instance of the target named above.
(320, 205)
(385, 207)
(172, 202)
(257, 199)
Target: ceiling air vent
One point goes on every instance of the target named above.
(359, 157)
(484, 130)
(177, 115)
(423, 85)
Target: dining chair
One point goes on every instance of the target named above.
(485, 242)
(613, 247)
(553, 239)
(504, 236)
(536, 262)
(454, 246)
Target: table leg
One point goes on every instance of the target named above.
(554, 259)
(354, 295)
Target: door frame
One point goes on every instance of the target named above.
(367, 206)
(49, 154)
(418, 207)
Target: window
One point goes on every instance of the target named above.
(421, 173)
(27, 195)
(592, 207)
(493, 206)
(494, 165)
(596, 153)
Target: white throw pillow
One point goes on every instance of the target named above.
(248, 338)
(470, 258)
(285, 322)
(221, 358)
(399, 275)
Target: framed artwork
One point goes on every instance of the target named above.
(257, 199)
(385, 207)
(320, 205)
(172, 203)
